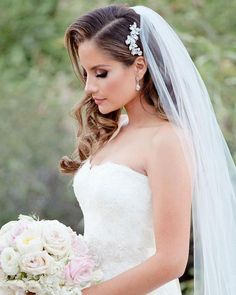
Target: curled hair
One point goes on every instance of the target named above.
(108, 27)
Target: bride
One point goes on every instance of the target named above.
(138, 175)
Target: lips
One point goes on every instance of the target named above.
(98, 100)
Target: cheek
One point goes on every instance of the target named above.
(121, 85)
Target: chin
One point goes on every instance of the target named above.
(103, 111)
(107, 111)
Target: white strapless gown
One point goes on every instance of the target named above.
(117, 208)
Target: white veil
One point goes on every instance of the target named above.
(186, 102)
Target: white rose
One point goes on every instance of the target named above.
(6, 240)
(3, 243)
(7, 227)
(17, 286)
(57, 238)
(11, 230)
(30, 240)
(37, 263)
(10, 261)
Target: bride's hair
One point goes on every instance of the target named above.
(108, 28)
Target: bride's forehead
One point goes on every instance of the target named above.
(89, 45)
(90, 56)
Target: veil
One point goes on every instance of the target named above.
(186, 102)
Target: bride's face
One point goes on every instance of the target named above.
(106, 78)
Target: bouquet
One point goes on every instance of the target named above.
(44, 257)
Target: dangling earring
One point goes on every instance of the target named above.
(138, 87)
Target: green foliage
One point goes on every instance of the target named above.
(37, 94)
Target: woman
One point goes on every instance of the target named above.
(138, 175)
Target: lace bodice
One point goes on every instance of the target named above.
(116, 202)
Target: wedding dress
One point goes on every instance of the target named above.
(117, 208)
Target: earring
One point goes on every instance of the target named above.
(138, 87)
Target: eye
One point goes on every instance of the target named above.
(102, 75)
(84, 75)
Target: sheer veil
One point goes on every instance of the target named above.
(186, 102)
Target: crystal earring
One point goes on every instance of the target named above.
(138, 87)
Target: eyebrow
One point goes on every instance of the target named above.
(97, 66)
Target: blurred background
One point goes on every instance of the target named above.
(39, 89)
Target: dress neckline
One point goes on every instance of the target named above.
(122, 122)
(117, 165)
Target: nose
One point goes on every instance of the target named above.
(90, 87)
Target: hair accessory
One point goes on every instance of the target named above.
(132, 38)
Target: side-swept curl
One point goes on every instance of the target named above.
(108, 27)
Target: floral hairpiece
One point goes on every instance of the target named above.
(132, 38)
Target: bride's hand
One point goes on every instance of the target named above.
(90, 291)
(85, 291)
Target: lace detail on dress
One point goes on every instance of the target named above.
(116, 202)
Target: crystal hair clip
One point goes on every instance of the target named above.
(132, 38)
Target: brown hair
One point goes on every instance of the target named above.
(108, 28)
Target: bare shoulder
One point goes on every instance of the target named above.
(166, 134)
(168, 146)
(169, 138)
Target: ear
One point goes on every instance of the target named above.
(140, 67)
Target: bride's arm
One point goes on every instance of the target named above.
(171, 188)
(140, 280)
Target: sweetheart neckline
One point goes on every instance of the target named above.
(109, 162)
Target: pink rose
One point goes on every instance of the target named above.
(79, 270)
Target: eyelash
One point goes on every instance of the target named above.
(103, 75)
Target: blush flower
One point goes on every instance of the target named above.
(56, 238)
(79, 270)
(10, 261)
(37, 263)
